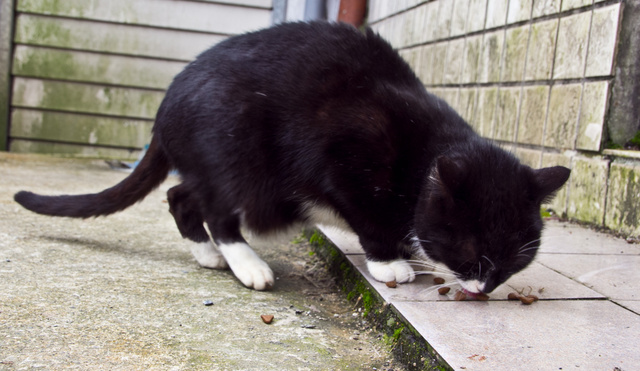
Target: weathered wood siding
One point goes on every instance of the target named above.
(89, 75)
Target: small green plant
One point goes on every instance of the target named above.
(396, 333)
(317, 239)
(545, 213)
(393, 339)
(612, 145)
(636, 139)
(298, 240)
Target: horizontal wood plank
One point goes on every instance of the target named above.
(112, 38)
(65, 149)
(184, 15)
(86, 98)
(95, 68)
(268, 4)
(79, 128)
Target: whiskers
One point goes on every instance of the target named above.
(434, 288)
(416, 239)
(527, 247)
(426, 267)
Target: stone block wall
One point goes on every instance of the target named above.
(533, 75)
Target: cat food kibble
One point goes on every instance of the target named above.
(513, 296)
(444, 290)
(460, 296)
(267, 318)
(438, 280)
(392, 284)
(527, 300)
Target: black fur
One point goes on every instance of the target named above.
(264, 124)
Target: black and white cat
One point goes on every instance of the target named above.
(304, 121)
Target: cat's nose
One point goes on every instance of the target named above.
(490, 285)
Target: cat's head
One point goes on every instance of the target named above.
(479, 214)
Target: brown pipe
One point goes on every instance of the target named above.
(352, 12)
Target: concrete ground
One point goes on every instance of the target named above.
(124, 293)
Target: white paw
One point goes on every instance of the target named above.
(208, 255)
(252, 271)
(394, 270)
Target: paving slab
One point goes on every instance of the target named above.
(587, 316)
(550, 335)
(615, 276)
(566, 238)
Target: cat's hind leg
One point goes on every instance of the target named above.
(188, 217)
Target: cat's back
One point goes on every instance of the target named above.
(300, 54)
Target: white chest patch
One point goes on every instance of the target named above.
(326, 216)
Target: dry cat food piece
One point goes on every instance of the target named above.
(267, 318)
(526, 300)
(438, 280)
(444, 290)
(392, 284)
(460, 296)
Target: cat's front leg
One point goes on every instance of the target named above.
(397, 270)
(385, 260)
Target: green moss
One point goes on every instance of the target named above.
(52, 7)
(405, 342)
(612, 145)
(87, 98)
(636, 139)
(42, 31)
(75, 128)
(622, 208)
(393, 338)
(317, 239)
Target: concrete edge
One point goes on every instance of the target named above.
(407, 345)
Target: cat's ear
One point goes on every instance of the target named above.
(548, 180)
(450, 174)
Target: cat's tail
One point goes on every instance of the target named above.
(150, 172)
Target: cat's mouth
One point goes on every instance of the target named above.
(473, 295)
(472, 287)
